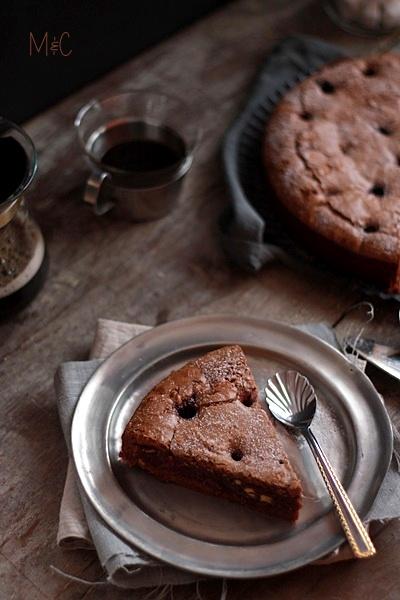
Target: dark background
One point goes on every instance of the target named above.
(103, 35)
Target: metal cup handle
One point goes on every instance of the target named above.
(94, 192)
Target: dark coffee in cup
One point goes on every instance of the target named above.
(151, 148)
(137, 149)
(14, 163)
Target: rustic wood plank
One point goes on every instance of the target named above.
(151, 273)
(14, 586)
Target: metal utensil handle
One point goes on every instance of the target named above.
(93, 192)
(356, 534)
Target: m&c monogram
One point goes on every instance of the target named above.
(49, 45)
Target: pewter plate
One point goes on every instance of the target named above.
(204, 534)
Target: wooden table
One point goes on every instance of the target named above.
(150, 273)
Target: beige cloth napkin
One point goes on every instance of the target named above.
(73, 531)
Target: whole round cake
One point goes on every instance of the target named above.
(332, 153)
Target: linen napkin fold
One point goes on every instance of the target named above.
(252, 233)
(81, 527)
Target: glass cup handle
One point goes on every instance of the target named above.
(94, 192)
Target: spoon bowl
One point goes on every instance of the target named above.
(292, 401)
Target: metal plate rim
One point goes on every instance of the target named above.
(163, 552)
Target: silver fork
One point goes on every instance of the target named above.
(292, 401)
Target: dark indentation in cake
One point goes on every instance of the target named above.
(281, 462)
(370, 71)
(247, 400)
(384, 130)
(345, 148)
(188, 409)
(326, 86)
(398, 160)
(237, 454)
(333, 191)
(378, 189)
(306, 116)
(371, 228)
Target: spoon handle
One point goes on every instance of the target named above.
(356, 534)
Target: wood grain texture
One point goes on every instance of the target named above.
(150, 273)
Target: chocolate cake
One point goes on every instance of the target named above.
(204, 427)
(332, 154)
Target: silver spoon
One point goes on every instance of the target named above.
(292, 401)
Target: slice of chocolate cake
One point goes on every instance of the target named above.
(203, 427)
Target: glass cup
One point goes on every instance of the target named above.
(140, 145)
(22, 248)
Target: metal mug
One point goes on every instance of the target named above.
(104, 123)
